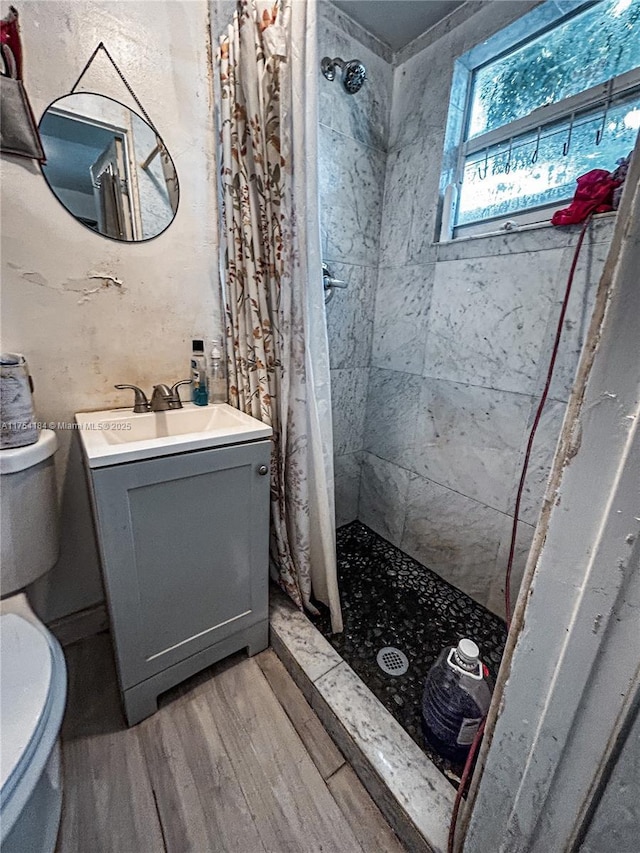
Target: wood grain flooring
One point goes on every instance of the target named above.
(235, 761)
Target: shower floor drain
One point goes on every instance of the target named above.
(392, 661)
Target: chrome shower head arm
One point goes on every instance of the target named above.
(328, 66)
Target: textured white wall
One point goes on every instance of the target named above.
(89, 312)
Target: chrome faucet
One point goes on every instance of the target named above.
(163, 398)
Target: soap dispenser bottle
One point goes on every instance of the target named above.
(217, 375)
(199, 392)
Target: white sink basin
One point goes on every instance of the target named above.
(118, 435)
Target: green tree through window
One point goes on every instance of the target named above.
(590, 48)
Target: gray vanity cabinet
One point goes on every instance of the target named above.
(184, 545)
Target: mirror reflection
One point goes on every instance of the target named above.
(108, 167)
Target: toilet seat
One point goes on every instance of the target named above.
(32, 698)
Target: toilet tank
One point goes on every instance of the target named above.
(29, 530)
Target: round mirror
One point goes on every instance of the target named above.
(108, 167)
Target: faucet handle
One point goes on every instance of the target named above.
(174, 388)
(141, 403)
(176, 402)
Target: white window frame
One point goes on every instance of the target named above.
(542, 19)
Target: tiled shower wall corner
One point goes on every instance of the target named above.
(449, 367)
(461, 342)
(353, 137)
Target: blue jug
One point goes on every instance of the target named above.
(456, 698)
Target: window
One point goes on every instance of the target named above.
(540, 111)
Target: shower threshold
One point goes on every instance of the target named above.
(414, 796)
(409, 786)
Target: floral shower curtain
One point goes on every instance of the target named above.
(277, 350)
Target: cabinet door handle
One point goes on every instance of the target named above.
(262, 470)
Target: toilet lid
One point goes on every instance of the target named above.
(26, 668)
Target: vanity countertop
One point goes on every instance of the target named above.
(117, 436)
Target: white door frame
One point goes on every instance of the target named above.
(571, 667)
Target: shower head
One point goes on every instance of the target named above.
(353, 73)
(353, 76)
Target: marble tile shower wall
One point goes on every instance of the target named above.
(461, 339)
(353, 136)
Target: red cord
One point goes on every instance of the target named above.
(463, 784)
(514, 530)
(534, 428)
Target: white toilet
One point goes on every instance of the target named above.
(33, 678)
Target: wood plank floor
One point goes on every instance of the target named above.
(235, 761)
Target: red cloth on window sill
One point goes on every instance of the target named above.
(594, 194)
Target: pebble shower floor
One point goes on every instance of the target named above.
(389, 599)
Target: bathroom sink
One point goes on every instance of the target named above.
(118, 435)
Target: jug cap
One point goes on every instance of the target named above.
(468, 651)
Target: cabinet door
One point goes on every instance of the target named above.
(184, 542)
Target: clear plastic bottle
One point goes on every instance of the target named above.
(217, 375)
(199, 392)
(457, 695)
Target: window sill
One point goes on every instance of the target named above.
(533, 237)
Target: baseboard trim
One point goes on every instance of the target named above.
(80, 625)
